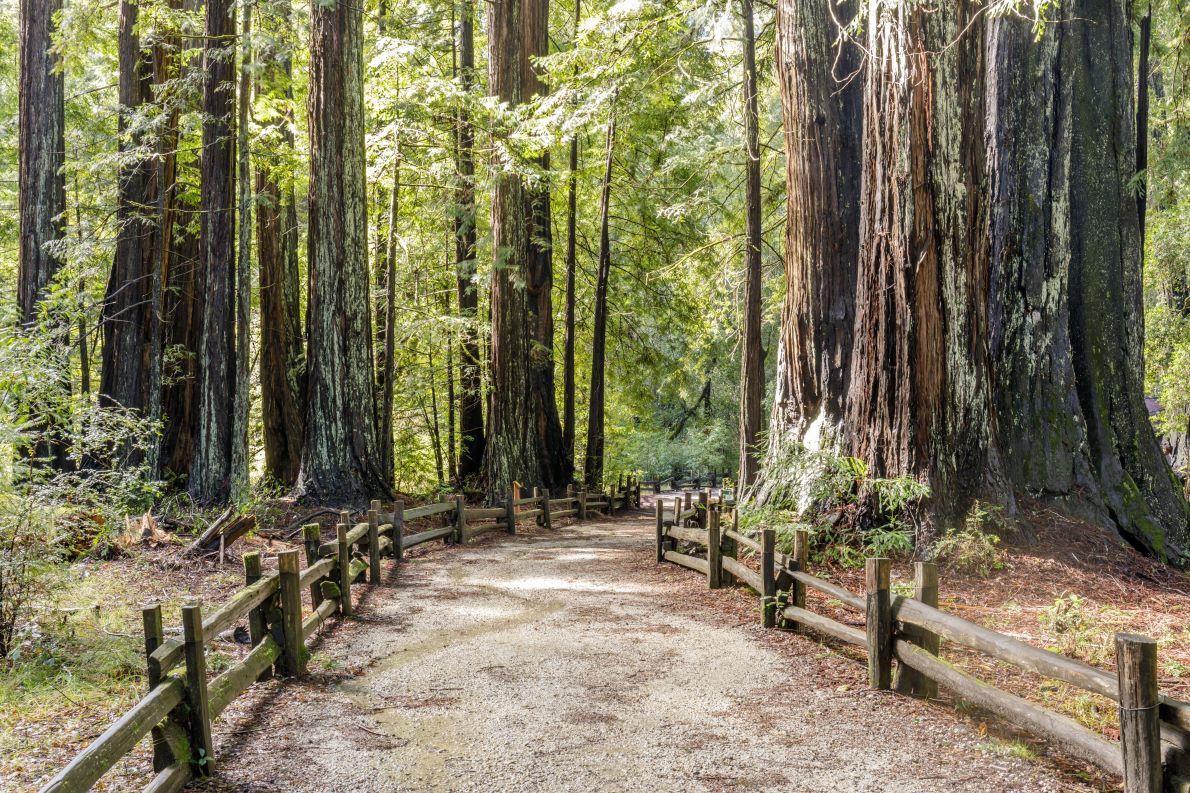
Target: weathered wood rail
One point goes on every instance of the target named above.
(1153, 754)
(178, 709)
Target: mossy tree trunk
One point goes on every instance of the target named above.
(341, 456)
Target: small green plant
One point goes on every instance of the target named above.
(1073, 630)
(970, 550)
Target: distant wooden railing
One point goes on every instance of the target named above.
(1153, 754)
(694, 482)
(179, 708)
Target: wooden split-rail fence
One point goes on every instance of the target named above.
(181, 702)
(692, 482)
(1153, 754)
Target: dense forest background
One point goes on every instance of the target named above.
(557, 242)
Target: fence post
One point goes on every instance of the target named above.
(879, 624)
(659, 509)
(582, 505)
(768, 582)
(510, 511)
(344, 571)
(373, 546)
(729, 548)
(611, 502)
(375, 507)
(1140, 723)
(312, 537)
(925, 589)
(202, 749)
(258, 621)
(291, 614)
(546, 520)
(688, 501)
(398, 530)
(704, 503)
(154, 636)
(460, 520)
(714, 552)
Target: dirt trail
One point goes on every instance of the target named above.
(570, 661)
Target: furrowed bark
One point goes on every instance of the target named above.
(210, 472)
(341, 456)
(471, 429)
(822, 107)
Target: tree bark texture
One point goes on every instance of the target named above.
(557, 468)
(471, 429)
(282, 359)
(127, 315)
(181, 284)
(340, 459)
(751, 354)
(822, 108)
(513, 449)
(998, 328)
(210, 471)
(41, 123)
(1066, 315)
(593, 466)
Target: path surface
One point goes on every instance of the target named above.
(571, 661)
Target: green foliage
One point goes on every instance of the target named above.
(849, 515)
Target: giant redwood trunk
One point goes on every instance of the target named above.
(822, 108)
(340, 460)
(998, 324)
(571, 267)
(919, 402)
(211, 468)
(282, 359)
(751, 354)
(40, 182)
(1067, 324)
(127, 315)
(524, 441)
(471, 431)
(41, 148)
(180, 281)
(557, 467)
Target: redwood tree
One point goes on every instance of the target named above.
(751, 354)
(41, 149)
(471, 430)
(341, 456)
(127, 316)
(593, 467)
(210, 471)
(521, 438)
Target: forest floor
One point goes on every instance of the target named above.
(570, 659)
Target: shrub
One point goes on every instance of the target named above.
(973, 548)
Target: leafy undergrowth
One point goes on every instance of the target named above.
(1069, 592)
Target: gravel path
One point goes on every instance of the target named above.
(569, 660)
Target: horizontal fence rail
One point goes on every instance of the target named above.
(179, 708)
(1153, 754)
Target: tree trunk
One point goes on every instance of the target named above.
(243, 275)
(389, 369)
(1142, 118)
(557, 469)
(282, 363)
(41, 183)
(571, 267)
(210, 473)
(341, 457)
(751, 354)
(920, 397)
(471, 430)
(822, 123)
(593, 465)
(512, 452)
(41, 153)
(181, 306)
(1066, 316)
(127, 315)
